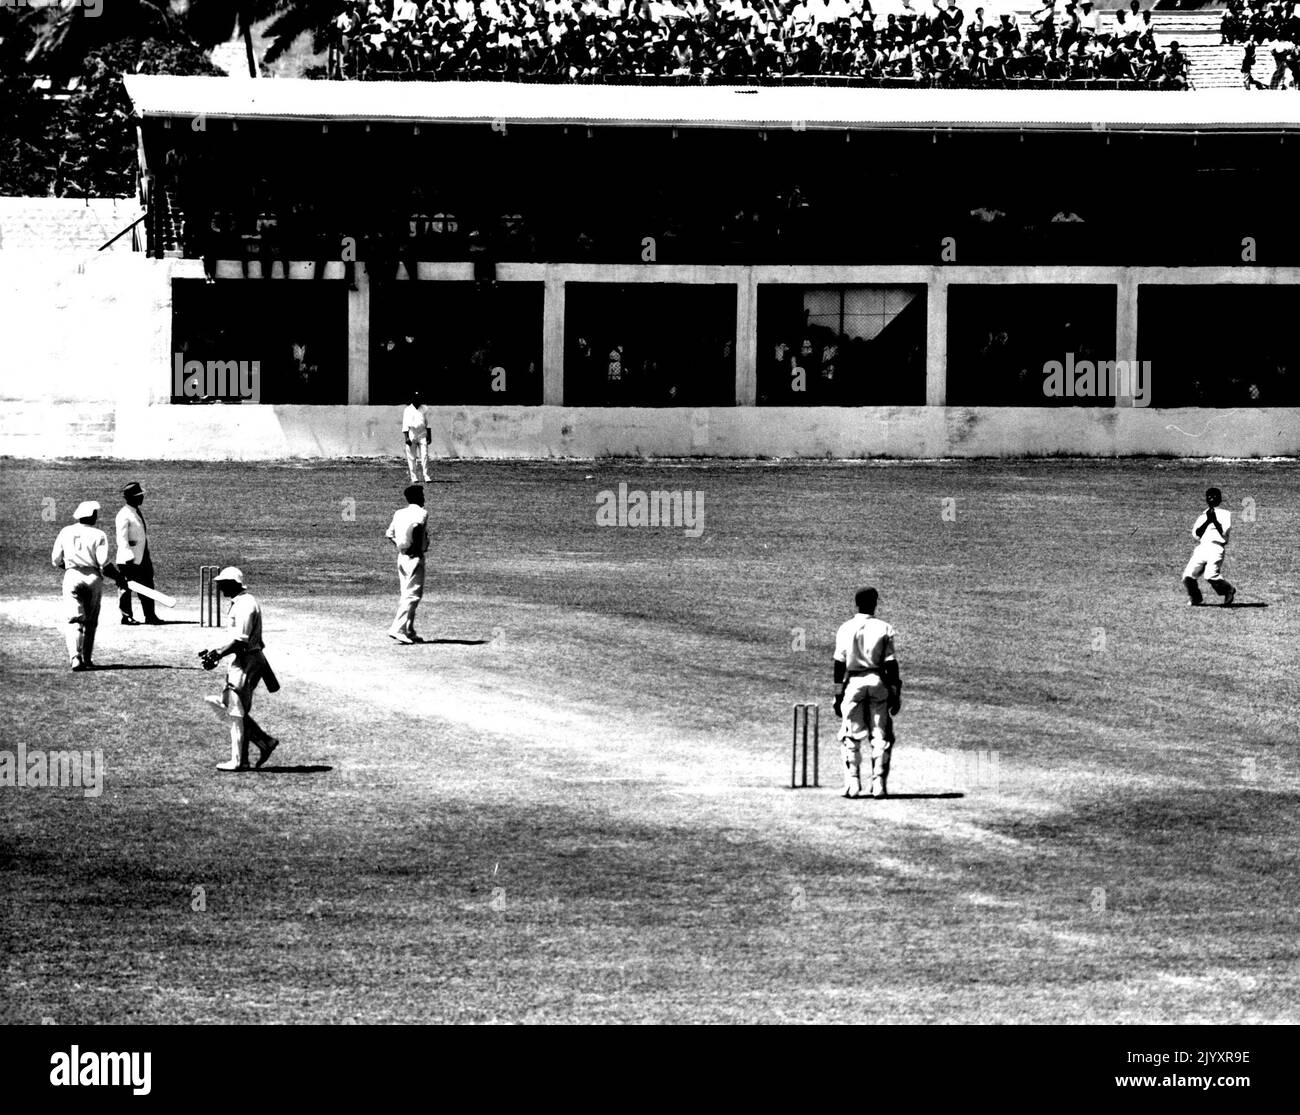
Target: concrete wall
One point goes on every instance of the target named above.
(85, 364)
(252, 433)
(84, 327)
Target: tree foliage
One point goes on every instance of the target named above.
(83, 144)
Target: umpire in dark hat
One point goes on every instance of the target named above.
(133, 557)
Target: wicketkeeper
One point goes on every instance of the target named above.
(247, 668)
(868, 693)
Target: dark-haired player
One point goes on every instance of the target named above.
(1211, 531)
(868, 692)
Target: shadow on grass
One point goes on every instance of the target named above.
(1250, 814)
(97, 669)
(293, 770)
(453, 642)
(914, 797)
(944, 796)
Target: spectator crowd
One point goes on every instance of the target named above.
(1269, 31)
(591, 40)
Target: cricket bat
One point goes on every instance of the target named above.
(269, 679)
(153, 594)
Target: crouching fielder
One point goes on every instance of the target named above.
(1211, 531)
(868, 692)
(247, 668)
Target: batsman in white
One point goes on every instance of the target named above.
(247, 668)
(868, 693)
(1211, 531)
(81, 551)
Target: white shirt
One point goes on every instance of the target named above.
(131, 539)
(800, 17)
(246, 618)
(415, 420)
(403, 529)
(1212, 538)
(822, 11)
(81, 547)
(864, 643)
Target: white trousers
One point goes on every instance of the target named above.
(865, 709)
(410, 582)
(418, 450)
(1207, 562)
(242, 676)
(81, 596)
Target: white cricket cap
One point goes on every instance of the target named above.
(86, 509)
(230, 573)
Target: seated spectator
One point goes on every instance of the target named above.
(738, 40)
(617, 375)
(268, 243)
(218, 239)
(1089, 19)
(1009, 31)
(1146, 33)
(1232, 25)
(515, 242)
(1174, 74)
(950, 19)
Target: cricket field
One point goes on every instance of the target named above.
(571, 803)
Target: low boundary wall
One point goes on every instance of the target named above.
(257, 433)
(84, 373)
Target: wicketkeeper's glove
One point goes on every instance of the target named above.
(209, 658)
(895, 700)
(838, 706)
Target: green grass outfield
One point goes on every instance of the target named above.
(584, 817)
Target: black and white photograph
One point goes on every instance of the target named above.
(670, 513)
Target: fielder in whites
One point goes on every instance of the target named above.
(868, 693)
(409, 532)
(1211, 531)
(415, 432)
(81, 551)
(247, 667)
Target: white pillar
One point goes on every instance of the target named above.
(359, 339)
(747, 340)
(553, 343)
(1126, 323)
(936, 341)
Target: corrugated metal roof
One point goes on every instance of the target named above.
(713, 106)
